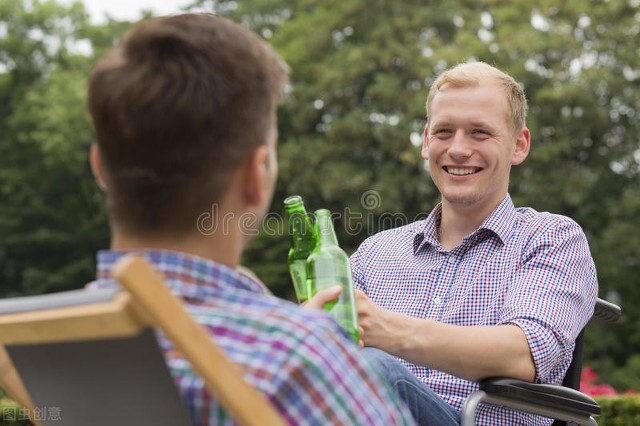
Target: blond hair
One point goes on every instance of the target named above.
(472, 74)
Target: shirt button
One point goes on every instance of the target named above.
(437, 301)
(452, 259)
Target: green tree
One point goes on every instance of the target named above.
(52, 218)
(350, 128)
(355, 110)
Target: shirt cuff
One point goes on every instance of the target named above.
(546, 349)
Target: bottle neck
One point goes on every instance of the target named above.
(325, 233)
(300, 228)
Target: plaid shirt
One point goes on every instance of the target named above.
(300, 359)
(519, 267)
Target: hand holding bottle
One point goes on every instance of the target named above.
(328, 265)
(328, 295)
(323, 297)
(318, 265)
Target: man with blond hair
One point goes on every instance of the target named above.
(480, 288)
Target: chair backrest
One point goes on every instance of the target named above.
(100, 382)
(572, 377)
(603, 310)
(90, 357)
(76, 376)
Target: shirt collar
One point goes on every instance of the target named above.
(429, 232)
(178, 267)
(501, 220)
(500, 223)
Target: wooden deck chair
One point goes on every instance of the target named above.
(90, 357)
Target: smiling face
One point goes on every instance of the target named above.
(470, 144)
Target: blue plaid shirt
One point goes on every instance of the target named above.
(301, 360)
(519, 267)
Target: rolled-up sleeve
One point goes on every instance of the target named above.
(552, 296)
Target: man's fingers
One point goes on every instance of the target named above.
(323, 297)
(362, 303)
(360, 295)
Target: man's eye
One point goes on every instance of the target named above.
(480, 132)
(441, 132)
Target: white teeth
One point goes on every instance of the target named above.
(459, 171)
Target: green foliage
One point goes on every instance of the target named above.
(360, 72)
(619, 410)
(351, 124)
(52, 219)
(623, 378)
(627, 377)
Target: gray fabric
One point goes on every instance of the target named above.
(56, 300)
(110, 382)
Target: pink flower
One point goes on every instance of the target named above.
(601, 390)
(588, 376)
(588, 386)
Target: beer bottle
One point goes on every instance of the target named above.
(327, 266)
(302, 243)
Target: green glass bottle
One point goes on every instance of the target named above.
(327, 266)
(302, 243)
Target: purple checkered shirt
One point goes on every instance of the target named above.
(300, 359)
(519, 267)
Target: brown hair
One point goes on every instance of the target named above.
(471, 74)
(177, 107)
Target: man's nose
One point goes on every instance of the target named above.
(460, 146)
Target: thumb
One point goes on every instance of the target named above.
(323, 297)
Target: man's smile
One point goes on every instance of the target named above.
(461, 171)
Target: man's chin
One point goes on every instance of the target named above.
(462, 201)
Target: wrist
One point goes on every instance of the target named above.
(401, 330)
(414, 337)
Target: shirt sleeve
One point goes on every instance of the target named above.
(552, 296)
(358, 267)
(327, 382)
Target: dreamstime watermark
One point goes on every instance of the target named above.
(369, 220)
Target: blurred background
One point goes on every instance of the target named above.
(350, 128)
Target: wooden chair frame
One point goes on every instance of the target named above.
(145, 301)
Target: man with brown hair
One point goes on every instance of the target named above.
(184, 111)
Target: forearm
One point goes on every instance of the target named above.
(469, 352)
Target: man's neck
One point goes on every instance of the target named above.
(225, 248)
(457, 222)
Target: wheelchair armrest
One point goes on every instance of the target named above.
(544, 395)
(607, 311)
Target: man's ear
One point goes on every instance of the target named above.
(523, 143)
(425, 143)
(256, 176)
(96, 165)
